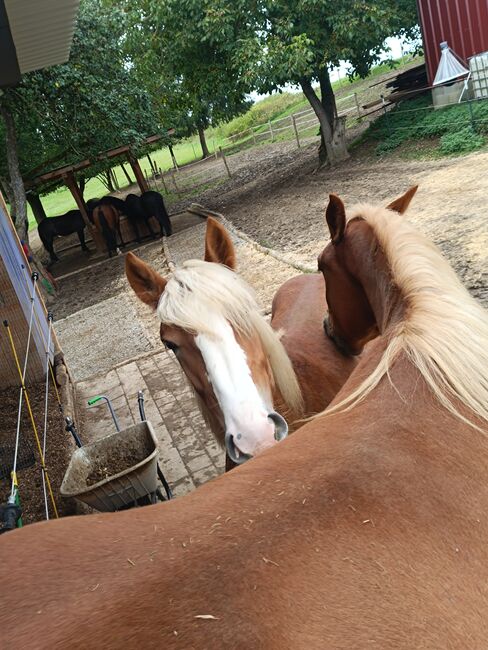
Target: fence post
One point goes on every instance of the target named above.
(225, 162)
(162, 178)
(293, 121)
(147, 179)
(174, 181)
(271, 130)
(385, 112)
(471, 114)
(357, 106)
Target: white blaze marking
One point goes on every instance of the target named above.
(245, 411)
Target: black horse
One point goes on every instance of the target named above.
(65, 224)
(153, 205)
(134, 209)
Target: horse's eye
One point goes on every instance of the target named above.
(170, 346)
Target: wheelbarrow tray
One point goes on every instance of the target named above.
(137, 445)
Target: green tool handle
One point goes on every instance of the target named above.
(94, 400)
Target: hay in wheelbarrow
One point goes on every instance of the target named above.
(116, 471)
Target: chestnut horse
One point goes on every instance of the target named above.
(233, 359)
(298, 310)
(368, 529)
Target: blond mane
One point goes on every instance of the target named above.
(198, 289)
(445, 330)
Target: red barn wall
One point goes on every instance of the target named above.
(462, 23)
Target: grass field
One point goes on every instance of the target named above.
(274, 107)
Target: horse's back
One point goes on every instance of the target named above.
(153, 202)
(134, 207)
(64, 224)
(333, 540)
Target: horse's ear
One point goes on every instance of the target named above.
(218, 245)
(336, 218)
(401, 204)
(147, 283)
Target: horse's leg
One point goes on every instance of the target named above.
(50, 249)
(149, 227)
(122, 242)
(164, 221)
(81, 237)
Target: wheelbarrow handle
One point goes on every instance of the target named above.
(140, 401)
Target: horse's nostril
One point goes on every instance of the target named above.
(236, 456)
(281, 427)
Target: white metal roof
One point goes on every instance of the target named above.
(42, 31)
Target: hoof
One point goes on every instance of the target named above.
(118, 251)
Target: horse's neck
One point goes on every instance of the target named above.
(383, 295)
(404, 401)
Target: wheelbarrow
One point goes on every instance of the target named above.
(118, 471)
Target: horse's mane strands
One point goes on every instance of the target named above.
(198, 289)
(445, 331)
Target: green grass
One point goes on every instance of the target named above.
(451, 130)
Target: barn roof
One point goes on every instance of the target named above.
(34, 34)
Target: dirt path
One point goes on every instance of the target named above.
(285, 211)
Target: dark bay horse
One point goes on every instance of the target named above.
(106, 219)
(60, 226)
(366, 529)
(140, 209)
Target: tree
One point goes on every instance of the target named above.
(299, 41)
(184, 64)
(73, 111)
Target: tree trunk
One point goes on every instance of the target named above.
(36, 206)
(173, 158)
(110, 185)
(19, 202)
(82, 184)
(129, 179)
(333, 143)
(203, 142)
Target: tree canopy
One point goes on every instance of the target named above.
(91, 103)
(282, 42)
(187, 64)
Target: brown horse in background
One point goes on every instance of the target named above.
(106, 219)
(367, 529)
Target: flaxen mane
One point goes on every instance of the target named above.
(445, 331)
(197, 290)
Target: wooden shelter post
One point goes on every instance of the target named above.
(70, 180)
(134, 163)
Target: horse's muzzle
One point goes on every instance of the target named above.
(238, 457)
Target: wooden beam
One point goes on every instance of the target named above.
(140, 180)
(72, 185)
